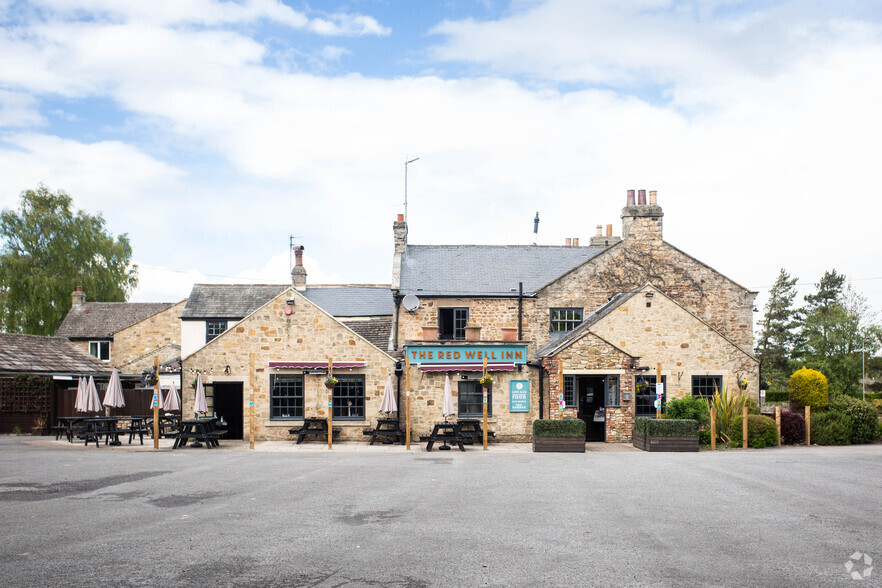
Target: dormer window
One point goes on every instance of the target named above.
(100, 349)
(452, 323)
(565, 319)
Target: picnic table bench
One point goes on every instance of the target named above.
(444, 432)
(200, 430)
(472, 428)
(386, 428)
(312, 426)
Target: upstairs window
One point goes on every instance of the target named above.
(213, 328)
(565, 319)
(452, 323)
(706, 386)
(100, 349)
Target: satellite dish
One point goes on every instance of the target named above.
(411, 303)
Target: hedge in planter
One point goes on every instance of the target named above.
(863, 417)
(565, 435)
(762, 431)
(665, 434)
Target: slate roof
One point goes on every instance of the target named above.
(100, 320)
(555, 345)
(377, 330)
(236, 301)
(486, 270)
(34, 354)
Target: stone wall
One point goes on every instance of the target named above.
(148, 335)
(491, 314)
(308, 334)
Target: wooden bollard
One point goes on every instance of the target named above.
(778, 423)
(744, 428)
(713, 429)
(808, 425)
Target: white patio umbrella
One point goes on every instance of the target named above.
(93, 401)
(113, 397)
(447, 408)
(388, 403)
(172, 400)
(200, 406)
(80, 402)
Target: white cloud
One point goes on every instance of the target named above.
(332, 53)
(348, 25)
(18, 109)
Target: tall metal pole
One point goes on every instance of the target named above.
(863, 377)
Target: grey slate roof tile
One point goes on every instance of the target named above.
(34, 354)
(486, 270)
(100, 320)
(343, 301)
(377, 330)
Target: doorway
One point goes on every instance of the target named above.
(592, 401)
(228, 404)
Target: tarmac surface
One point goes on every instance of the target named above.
(285, 515)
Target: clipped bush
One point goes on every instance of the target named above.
(862, 414)
(688, 407)
(666, 427)
(808, 388)
(568, 427)
(792, 428)
(762, 431)
(777, 396)
(831, 427)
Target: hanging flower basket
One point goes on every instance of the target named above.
(151, 378)
(742, 384)
(330, 382)
(486, 380)
(642, 384)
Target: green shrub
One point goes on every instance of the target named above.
(568, 427)
(704, 438)
(777, 396)
(688, 407)
(879, 431)
(862, 414)
(762, 431)
(808, 388)
(831, 427)
(666, 427)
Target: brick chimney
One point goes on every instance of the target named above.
(601, 240)
(642, 221)
(77, 297)
(298, 274)
(399, 231)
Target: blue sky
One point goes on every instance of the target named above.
(209, 131)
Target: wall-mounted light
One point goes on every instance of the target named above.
(290, 302)
(227, 370)
(650, 294)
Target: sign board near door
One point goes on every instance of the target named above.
(519, 396)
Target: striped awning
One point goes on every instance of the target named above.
(311, 365)
(466, 367)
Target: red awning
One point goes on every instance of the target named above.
(466, 367)
(311, 365)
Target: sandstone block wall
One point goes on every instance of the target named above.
(148, 335)
(308, 334)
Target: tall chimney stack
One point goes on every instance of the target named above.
(298, 274)
(77, 297)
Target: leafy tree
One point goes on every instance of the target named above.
(780, 335)
(48, 250)
(823, 310)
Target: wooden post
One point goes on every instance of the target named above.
(156, 403)
(808, 425)
(713, 428)
(560, 387)
(658, 381)
(407, 401)
(744, 428)
(778, 423)
(485, 404)
(330, 406)
(251, 401)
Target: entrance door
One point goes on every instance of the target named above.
(591, 399)
(228, 404)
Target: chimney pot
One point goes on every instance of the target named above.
(609, 230)
(568, 242)
(653, 197)
(641, 197)
(400, 218)
(575, 241)
(298, 256)
(599, 230)
(630, 198)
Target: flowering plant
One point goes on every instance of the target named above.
(742, 383)
(330, 382)
(486, 380)
(641, 385)
(151, 378)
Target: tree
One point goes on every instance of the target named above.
(48, 250)
(780, 335)
(823, 310)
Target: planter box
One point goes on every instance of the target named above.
(665, 443)
(430, 333)
(509, 333)
(559, 444)
(473, 333)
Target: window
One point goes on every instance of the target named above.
(213, 328)
(471, 400)
(349, 398)
(644, 393)
(452, 323)
(100, 349)
(569, 391)
(565, 319)
(286, 396)
(705, 386)
(612, 391)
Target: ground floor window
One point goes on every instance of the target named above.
(612, 391)
(644, 387)
(706, 386)
(349, 398)
(100, 349)
(569, 392)
(471, 400)
(286, 396)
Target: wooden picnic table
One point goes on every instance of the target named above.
(312, 426)
(445, 432)
(200, 430)
(386, 428)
